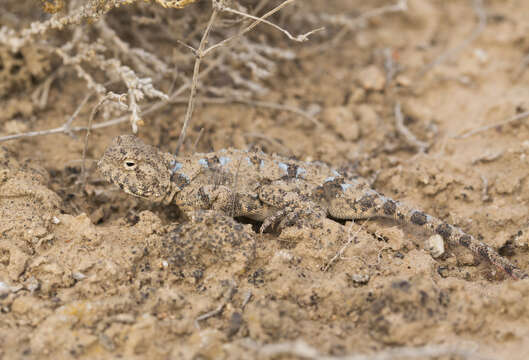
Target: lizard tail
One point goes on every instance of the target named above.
(451, 234)
(354, 201)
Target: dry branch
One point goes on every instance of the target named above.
(511, 120)
(408, 136)
(451, 53)
(218, 5)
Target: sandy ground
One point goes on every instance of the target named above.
(95, 274)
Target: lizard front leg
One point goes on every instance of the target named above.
(223, 199)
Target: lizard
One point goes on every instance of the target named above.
(271, 189)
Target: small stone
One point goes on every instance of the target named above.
(125, 318)
(341, 119)
(403, 80)
(78, 276)
(417, 110)
(435, 245)
(367, 118)
(372, 78)
(360, 278)
(38, 231)
(481, 55)
(4, 289)
(313, 109)
(33, 284)
(357, 95)
(24, 304)
(282, 257)
(507, 184)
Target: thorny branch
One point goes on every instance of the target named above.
(218, 5)
(80, 51)
(68, 130)
(77, 51)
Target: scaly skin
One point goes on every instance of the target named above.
(267, 188)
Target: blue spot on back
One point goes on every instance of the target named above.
(224, 160)
(345, 186)
(176, 166)
(283, 167)
(203, 162)
(300, 172)
(329, 179)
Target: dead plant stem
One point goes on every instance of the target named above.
(199, 55)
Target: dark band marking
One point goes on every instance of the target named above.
(367, 202)
(203, 196)
(508, 269)
(180, 180)
(292, 170)
(389, 207)
(445, 230)
(213, 161)
(484, 251)
(465, 240)
(418, 218)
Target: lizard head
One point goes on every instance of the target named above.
(138, 169)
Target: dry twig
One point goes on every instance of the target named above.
(513, 119)
(232, 289)
(110, 96)
(87, 57)
(348, 24)
(340, 252)
(451, 53)
(68, 130)
(199, 54)
(408, 136)
(254, 24)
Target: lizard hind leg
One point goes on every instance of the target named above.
(292, 214)
(355, 201)
(289, 205)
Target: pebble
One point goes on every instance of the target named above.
(341, 119)
(372, 78)
(435, 245)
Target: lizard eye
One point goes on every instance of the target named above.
(129, 164)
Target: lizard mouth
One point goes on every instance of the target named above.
(150, 195)
(143, 196)
(141, 193)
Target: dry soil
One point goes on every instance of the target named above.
(92, 273)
